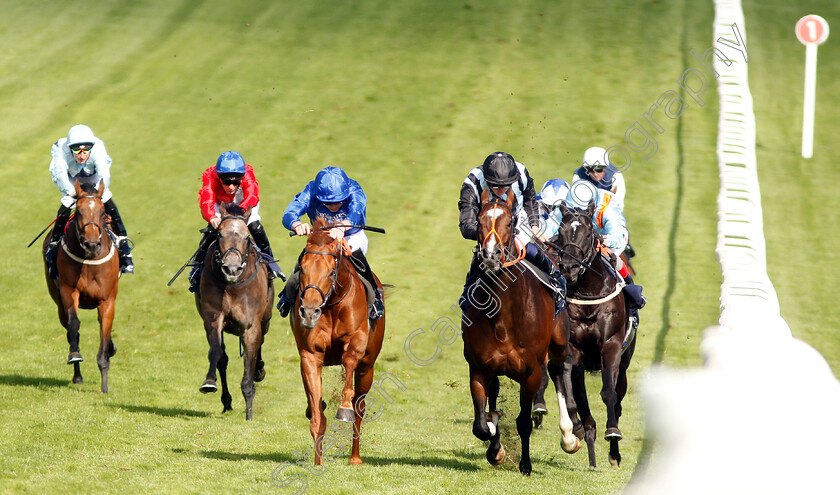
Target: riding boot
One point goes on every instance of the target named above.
(207, 237)
(378, 308)
(472, 275)
(629, 251)
(286, 299)
(124, 244)
(58, 229)
(541, 261)
(637, 300)
(261, 240)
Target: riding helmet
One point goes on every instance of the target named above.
(332, 185)
(80, 134)
(553, 192)
(500, 169)
(595, 157)
(230, 162)
(581, 194)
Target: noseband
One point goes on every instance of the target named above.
(333, 275)
(220, 257)
(497, 202)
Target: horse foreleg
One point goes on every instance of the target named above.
(103, 357)
(578, 380)
(252, 340)
(70, 305)
(493, 394)
(350, 359)
(527, 390)
(621, 391)
(363, 382)
(222, 367)
(485, 427)
(610, 358)
(213, 329)
(310, 370)
(562, 384)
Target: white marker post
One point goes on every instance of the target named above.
(811, 30)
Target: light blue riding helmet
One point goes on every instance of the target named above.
(331, 185)
(553, 192)
(581, 194)
(230, 162)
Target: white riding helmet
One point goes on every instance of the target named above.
(553, 192)
(595, 157)
(79, 134)
(581, 194)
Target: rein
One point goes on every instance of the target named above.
(342, 249)
(495, 203)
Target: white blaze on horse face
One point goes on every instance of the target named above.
(574, 225)
(495, 212)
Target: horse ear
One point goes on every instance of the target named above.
(485, 196)
(564, 210)
(101, 188)
(591, 208)
(79, 192)
(511, 198)
(223, 208)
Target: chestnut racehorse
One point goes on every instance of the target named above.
(512, 335)
(601, 339)
(235, 296)
(88, 276)
(331, 327)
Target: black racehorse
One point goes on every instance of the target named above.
(601, 338)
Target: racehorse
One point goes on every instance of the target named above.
(88, 277)
(601, 339)
(331, 327)
(511, 334)
(235, 296)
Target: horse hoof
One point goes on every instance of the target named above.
(74, 357)
(539, 408)
(259, 375)
(345, 415)
(613, 434)
(573, 448)
(77, 380)
(498, 458)
(614, 462)
(209, 386)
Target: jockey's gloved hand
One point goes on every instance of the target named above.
(68, 201)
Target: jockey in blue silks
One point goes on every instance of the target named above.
(337, 199)
(502, 175)
(608, 221)
(599, 171)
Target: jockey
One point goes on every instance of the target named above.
(608, 222)
(337, 199)
(553, 193)
(230, 180)
(83, 156)
(598, 170)
(502, 175)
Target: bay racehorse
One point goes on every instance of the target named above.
(509, 330)
(601, 337)
(331, 327)
(88, 277)
(235, 296)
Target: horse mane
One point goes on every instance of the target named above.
(88, 187)
(234, 209)
(320, 237)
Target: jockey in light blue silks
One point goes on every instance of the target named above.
(502, 175)
(337, 199)
(608, 221)
(553, 192)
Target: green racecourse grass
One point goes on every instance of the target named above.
(407, 96)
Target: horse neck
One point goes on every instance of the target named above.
(596, 283)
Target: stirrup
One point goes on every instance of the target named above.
(377, 309)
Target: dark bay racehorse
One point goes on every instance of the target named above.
(88, 277)
(600, 339)
(330, 324)
(511, 334)
(235, 296)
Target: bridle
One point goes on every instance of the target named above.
(339, 256)
(81, 227)
(494, 203)
(219, 256)
(587, 252)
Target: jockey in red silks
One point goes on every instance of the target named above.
(231, 180)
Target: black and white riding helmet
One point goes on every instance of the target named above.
(500, 170)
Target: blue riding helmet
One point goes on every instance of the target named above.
(331, 185)
(230, 162)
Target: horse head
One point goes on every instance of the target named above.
(576, 238)
(90, 218)
(496, 230)
(318, 273)
(233, 242)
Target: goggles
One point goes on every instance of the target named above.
(597, 170)
(231, 181)
(81, 148)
